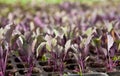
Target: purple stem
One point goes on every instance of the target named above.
(81, 64)
(30, 70)
(4, 69)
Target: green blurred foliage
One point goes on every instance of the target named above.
(46, 1)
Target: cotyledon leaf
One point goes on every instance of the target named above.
(39, 48)
(33, 44)
(9, 29)
(48, 46)
(109, 42)
(67, 45)
(53, 42)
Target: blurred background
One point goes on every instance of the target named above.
(51, 1)
(46, 1)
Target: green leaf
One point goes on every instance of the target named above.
(109, 42)
(1, 33)
(44, 58)
(89, 31)
(87, 41)
(48, 47)
(110, 27)
(65, 74)
(33, 44)
(39, 48)
(96, 41)
(56, 32)
(54, 42)
(67, 45)
(40, 39)
(115, 58)
(65, 29)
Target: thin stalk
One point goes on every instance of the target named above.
(81, 63)
(31, 68)
(6, 56)
(80, 70)
(110, 64)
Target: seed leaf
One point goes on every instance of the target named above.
(109, 42)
